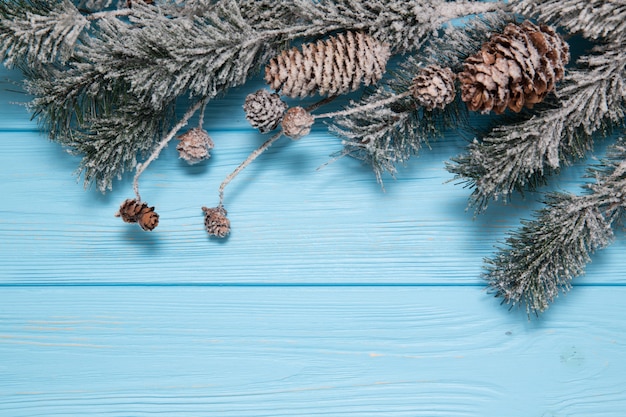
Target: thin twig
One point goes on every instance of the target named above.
(362, 108)
(155, 154)
(320, 103)
(201, 118)
(247, 162)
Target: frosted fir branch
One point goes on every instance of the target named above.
(457, 43)
(36, 32)
(67, 98)
(163, 55)
(113, 144)
(387, 136)
(545, 254)
(518, 155)
(594, 19)
(405, 25)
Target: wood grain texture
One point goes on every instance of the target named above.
(276, 351)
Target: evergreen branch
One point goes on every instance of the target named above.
(387, 136)
(66, 98)
(594, 19)
(517, 155)
(457, 43)
(112, 144)
(163, 56)
(405, 25)
(36, 32)
(541, 259)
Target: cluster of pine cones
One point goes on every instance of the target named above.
(513, 69)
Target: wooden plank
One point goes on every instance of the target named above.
(286, 351)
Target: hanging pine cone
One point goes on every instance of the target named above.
(433, 87)
(297, 123)
(215, 221)
(134, 211)
(514, 69)
(335, 66)
(195, 145)
(264, 110)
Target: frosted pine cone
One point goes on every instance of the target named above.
(516, 68)
(264, 110)
(297, 123)
(337, 65)
(195, 145)
(433, 87)
(134, 211)
(215, 221)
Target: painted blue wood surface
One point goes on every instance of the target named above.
(331, 297)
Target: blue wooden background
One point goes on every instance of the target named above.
(330, 297)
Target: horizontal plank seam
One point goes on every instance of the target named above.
(270, 285)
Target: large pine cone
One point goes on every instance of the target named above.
(433, 87)
(335, 66)
(516, 68)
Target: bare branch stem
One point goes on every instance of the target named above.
(155, 154)
(363, 108)
(255, 154)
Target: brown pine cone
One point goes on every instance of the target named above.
(297, 123)
(134, 211)
(194, 145)
(335, 66)
(433, 87)
(516, 68)
(215, 221)
(264, 110)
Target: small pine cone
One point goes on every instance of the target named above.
(297, 123)
(337, 65)
(516, 68)
(264, 110)
(215, 221)
(433, 87)
(194, 145)
(134, 211)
